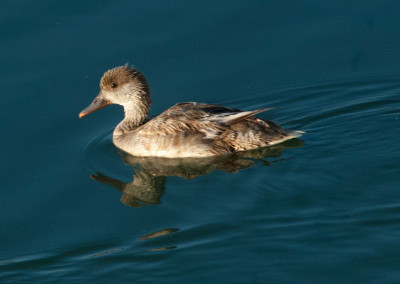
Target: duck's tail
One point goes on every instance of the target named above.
(295, 133)
(290, 135)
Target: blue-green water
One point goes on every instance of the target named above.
(324, 209)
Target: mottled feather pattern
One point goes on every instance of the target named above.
(191, 128)
(186, 129)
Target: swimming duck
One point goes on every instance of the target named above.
(187, 129)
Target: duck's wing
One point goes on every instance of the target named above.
(187, 119)
(206, 119)
(210, 112)
(233, 117)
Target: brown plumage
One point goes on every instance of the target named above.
(184, 130)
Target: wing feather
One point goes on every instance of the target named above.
(230, 118)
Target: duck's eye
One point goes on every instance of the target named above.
(114, 85)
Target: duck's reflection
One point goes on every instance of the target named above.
(143, 190)
(150, 176)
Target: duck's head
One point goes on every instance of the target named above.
(123, 85)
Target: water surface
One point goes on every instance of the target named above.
(323, 209)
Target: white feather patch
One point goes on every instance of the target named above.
(229, 117)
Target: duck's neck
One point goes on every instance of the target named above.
(135, 115)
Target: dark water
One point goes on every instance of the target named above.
(323, 209)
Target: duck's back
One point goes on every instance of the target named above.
(200, 130)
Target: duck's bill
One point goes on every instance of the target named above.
(95, 105)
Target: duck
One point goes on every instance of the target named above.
(188, 129)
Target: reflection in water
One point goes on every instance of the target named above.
(143, 190)
(159, 233)
(160, 249)
(151, 173)
(106, 252)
